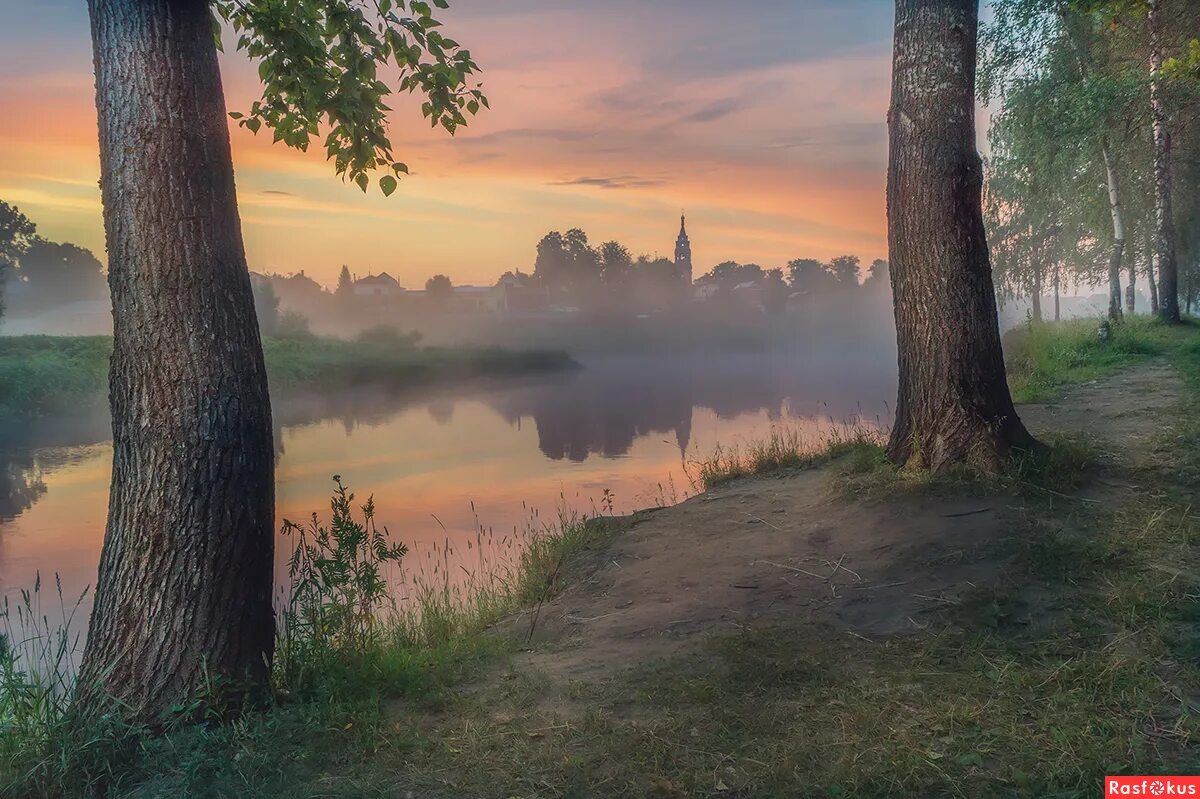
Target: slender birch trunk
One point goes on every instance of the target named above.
(1164, 228)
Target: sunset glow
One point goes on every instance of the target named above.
(608, 117)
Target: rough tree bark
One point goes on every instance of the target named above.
(953, 404)
(1164, 228)
(184, 589)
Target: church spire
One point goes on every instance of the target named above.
(683, 252)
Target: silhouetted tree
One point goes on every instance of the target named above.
(878, 274)
(55, 274)
(439, 289)
(809, 276)
(552, 266)
(774, 291)
(615, 266)
(345, 283)
(844, 269)
(16, 231)
(266, 304)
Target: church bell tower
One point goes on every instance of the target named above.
(683, 253)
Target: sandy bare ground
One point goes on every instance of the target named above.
(794, 548)
(1122, 412)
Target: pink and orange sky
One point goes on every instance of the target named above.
(765, 120)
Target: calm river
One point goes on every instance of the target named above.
(461, 474)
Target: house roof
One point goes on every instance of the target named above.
(382, 279)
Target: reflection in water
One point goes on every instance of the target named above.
(21, 484)
(458, 473)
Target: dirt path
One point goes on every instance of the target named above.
(1122, 412)
(792, 547)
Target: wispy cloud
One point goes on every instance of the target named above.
(618, 182)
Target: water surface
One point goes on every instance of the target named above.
(459, 473)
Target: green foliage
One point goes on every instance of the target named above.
(334, 363)
(44, 751)
(1185, 66)
(16, 231)
(1072, 81)
(54, 374)
(45, 374)
(337, 590)
(1041, 359)
(293, 326)
(319, 62)
(390, 335)
(37, 673)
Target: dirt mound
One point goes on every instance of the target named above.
(761, 549)
(792, 547)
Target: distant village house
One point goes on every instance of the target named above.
(381, 285)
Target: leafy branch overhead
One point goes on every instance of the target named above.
(320, 63)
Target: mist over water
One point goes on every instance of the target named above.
(464, 469)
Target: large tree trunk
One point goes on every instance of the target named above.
(1164, 228)
(953, 404)
(184, 591)
(1118, 223)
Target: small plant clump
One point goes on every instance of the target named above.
(786, 449)
(338, 592)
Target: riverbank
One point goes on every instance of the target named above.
(48, 374)
(806, 627)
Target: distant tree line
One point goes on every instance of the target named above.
(37, 274)
(801, 278)
(608, 277)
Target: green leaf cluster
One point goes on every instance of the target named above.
(321, 63)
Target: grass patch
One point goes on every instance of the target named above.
(334, 363)
(344, 657)
(1043, 358)
(786, 449)
(1059, 466)
(55, 374)
(1079, 662)
(42, 374)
